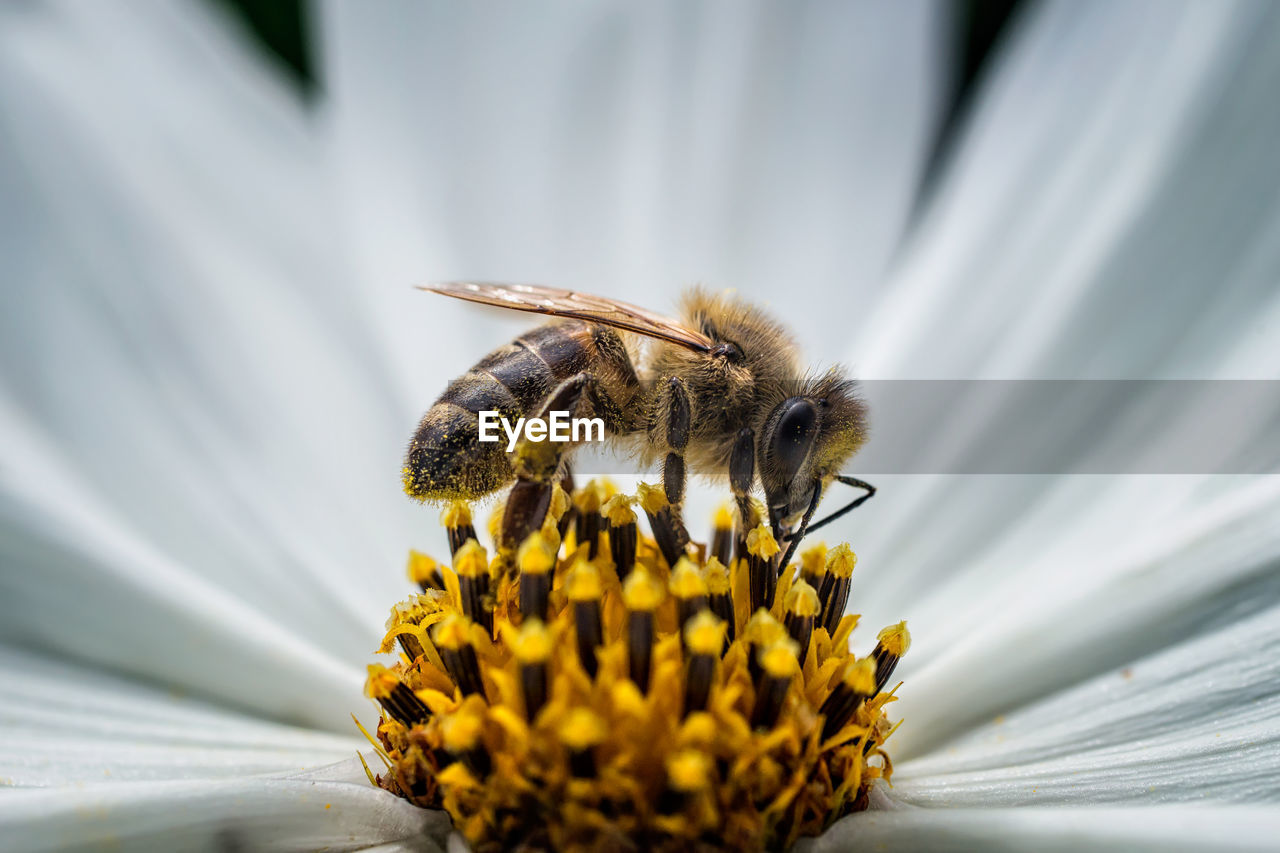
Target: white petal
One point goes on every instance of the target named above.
(79, 582)
(63, 725)
(1198, 721)
(183, 351)
(629, 149)
(258, 814)
(1109, 214)
(1053, 830)
(1062, 622)
(1110, 210)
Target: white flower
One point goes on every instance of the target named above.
(212, 358)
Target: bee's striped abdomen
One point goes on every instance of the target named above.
(446, 458)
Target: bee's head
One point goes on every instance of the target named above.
(805, 441)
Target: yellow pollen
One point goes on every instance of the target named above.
(559, 505)
(686, 580)
(381, 682)
(536, 556)
(418, 607)
(689, 770)
(813, 561)
(781, 659)
(641, 591)
(763, 629)
(588, 499)
(895, 639)
(456, 514)
(604, 722)
(717, 577)
(421, 567)
(841, 560)
(582, 729)
(461, 731)
(471, 560)
(699, 730)
(583, 582)
(652, 498)
(618, 510)
(760, 542)
(452, 632)
(533, 643)
(860, 676)
(802, 599)
(704, 633)
(495, 522)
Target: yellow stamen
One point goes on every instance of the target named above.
(895, 639)
(642, 591)
(566, 699)
(704, 635)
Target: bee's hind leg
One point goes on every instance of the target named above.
(538, 464)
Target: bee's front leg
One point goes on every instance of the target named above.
(742, 471)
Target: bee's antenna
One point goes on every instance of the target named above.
(852, 505)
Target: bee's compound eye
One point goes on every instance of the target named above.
(794, 434)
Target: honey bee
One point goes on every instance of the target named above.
(720, 391)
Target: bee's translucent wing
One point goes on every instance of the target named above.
(580, 306)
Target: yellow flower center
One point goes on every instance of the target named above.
(585, 694)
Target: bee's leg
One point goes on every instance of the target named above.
(675, 405)
(742, 471)
(537, 464)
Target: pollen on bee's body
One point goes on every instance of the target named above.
(564, 698)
